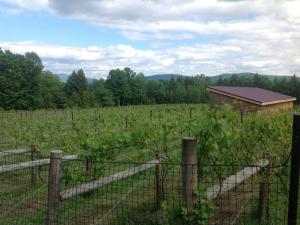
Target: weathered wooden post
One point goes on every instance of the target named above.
(89, 167)
(35, 169)
(158, 183)
(263, 206)
(53, 187)
(295, 172)
(189, 172)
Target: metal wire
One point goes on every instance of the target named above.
(132, 199)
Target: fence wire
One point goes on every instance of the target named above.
(123, 193)
(133, 200)
(21, 201)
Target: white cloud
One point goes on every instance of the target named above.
(28, 4)
(146, 36)
(229, 56)
(153, 16)
(229, 36)
(174, 19)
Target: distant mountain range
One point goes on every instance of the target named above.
(246, 74)
(164, 76)
(215, 78)
(64, 77)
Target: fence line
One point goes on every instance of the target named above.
(31, 164)
(83, 188)
(100, 221)
(212, 192)
(234, 180)
(14, 152)
(22, 200)
(188, 180)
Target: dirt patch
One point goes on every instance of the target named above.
(232, 206)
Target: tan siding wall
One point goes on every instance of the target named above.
(283, 105)
(216, 98)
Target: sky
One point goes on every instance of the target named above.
(186, 37)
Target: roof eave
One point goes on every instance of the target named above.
(279, 101)
(249, 100)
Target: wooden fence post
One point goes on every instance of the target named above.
(53, 187)
(263, 206)
(89, 167)
(158, 183)
(189, 172)
(295, 172)
(34, 170)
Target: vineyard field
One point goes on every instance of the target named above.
(119, 138)
(138, 132)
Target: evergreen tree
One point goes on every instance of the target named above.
(76, 89)
(51, 91)
(103, 96)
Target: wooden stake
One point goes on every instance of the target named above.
(264, 193)
(34, 170)
(53, 187)
(89, 167)
(189, 172)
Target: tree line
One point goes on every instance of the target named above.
(24, 84)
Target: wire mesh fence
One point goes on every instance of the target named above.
(14, 156)
(225, 194)
(261, 198)
(117, 195)
(21, 200)
(23, 190)
(127, 193)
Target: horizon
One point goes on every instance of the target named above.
(194, 37)
(64, 76)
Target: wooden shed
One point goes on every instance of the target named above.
(250, 98)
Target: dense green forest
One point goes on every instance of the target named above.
(24, 84)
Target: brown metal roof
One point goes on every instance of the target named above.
(252, 94)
